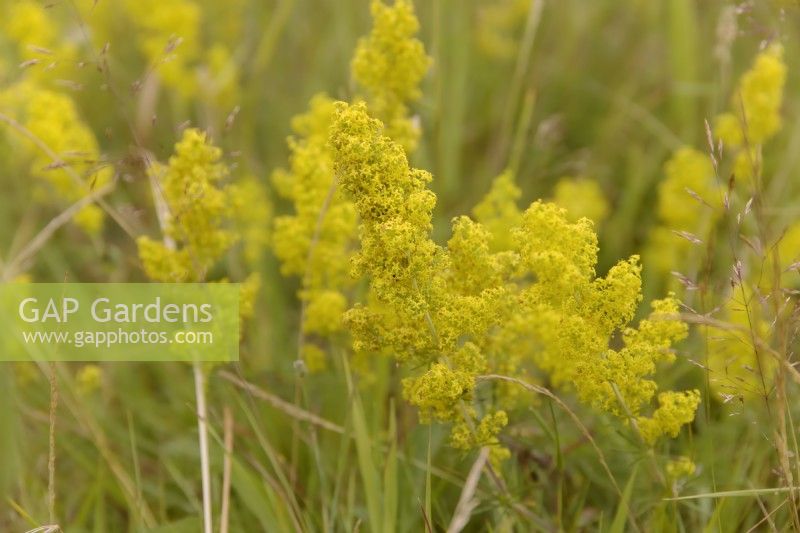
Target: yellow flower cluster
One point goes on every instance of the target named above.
(688, 173)
(28, 25)
(88, 379)
(754, 117)
(498, 210)
(168, 35)
(252, 215)
(190, 55)
(389, 64)
(680, 467)
(458, 311)
(755, 110)
(197, 206)
(316, 240)
(204, 217)
(66, 159)
(675, 409)
(582, 198)
(756, 102)
(34, 33)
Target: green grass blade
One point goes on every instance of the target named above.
(623, 511)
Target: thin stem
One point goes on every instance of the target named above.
(15, 264)
(546, 392)
(226, 471)
(202, 426)
(51, 459)
(637, 431)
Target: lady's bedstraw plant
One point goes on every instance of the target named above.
(186, 43)
(64, 157)
(753, 119)
(200, 218)
(678, 242)
(316, 241)
(389, 65)
(60, 150)
(754, 115)
(197, 206)
(197, 217)
(484, 304)
(581, 197)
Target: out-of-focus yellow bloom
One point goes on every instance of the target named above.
(756, 102)
(322, 216)
(324, 312)
(680, 467)
(28, 24)
(33, 32)
(754, 115)
(198, 207)
(248, 290)
(53, 119)
(314, 358)
(252, 213)
(221, 84)
(89, 379)
(581, 197)
(316, 241)
(689, 200)
(168, 35)
(687, 170)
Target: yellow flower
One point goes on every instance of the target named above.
(324, 312)
(498, 210)
(316, 241)
(34, 33)
(389, 64)
(687, 170)
(581, 197)
(759, 96)
(314, 358)
(680, 467)
(457, 312)
(248, 291)
(689, 200)
(198, 209)
(54, 120)
(167, 33)
(89, 379)
(221, 83)
(675, 409)
(755, 108)
(252, 215)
